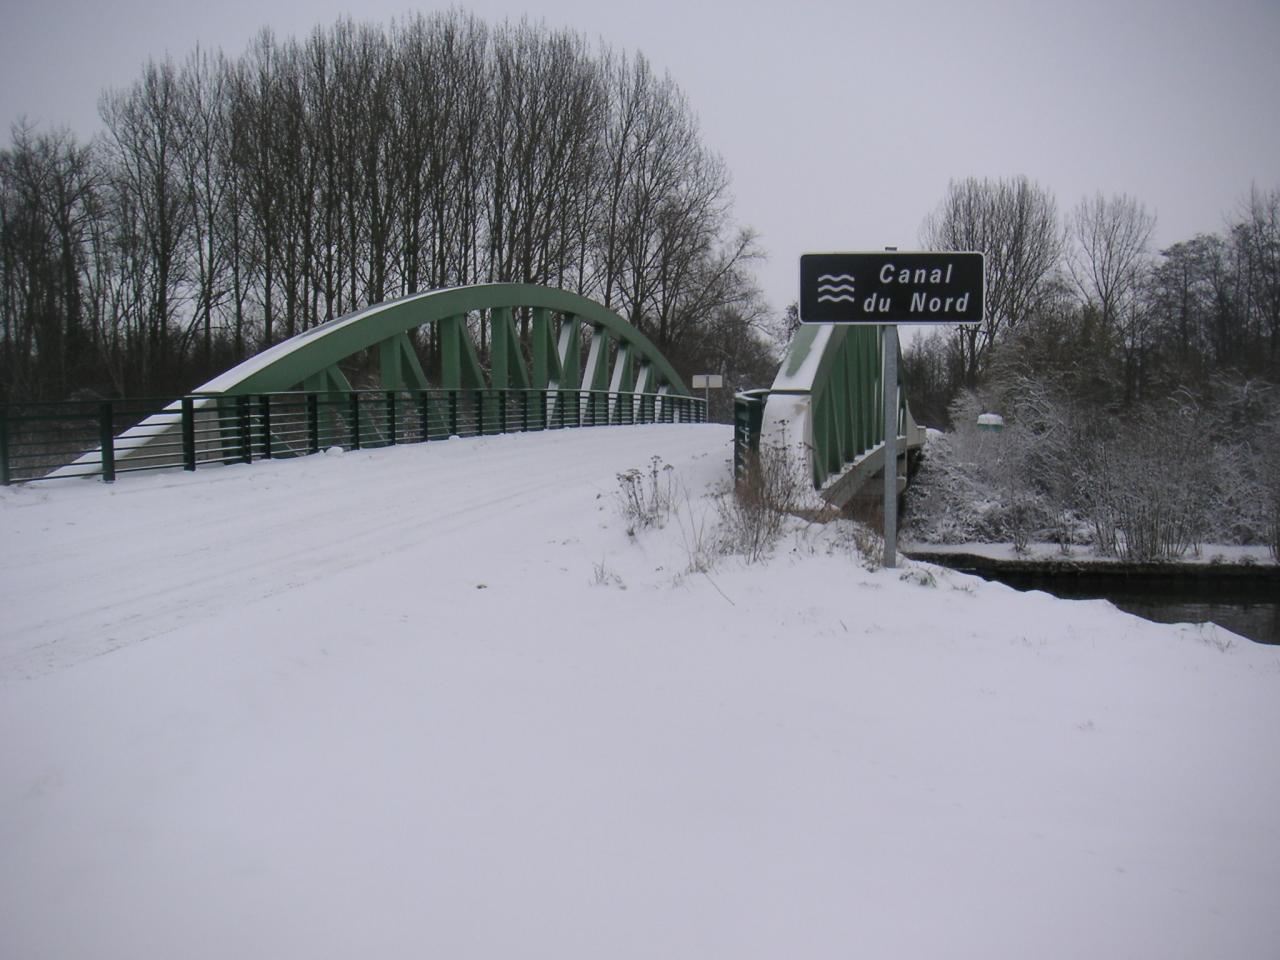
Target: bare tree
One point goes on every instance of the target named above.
(1015, 223)
(146, 144)
(238, 201)
(1108, 258)
(1109, 264)
(1258, 236)
(48, 202)
(205, 147)
(547, 115)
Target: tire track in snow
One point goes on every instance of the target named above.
(118, 591)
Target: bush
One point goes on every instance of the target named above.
(1269, 487)
(646, 498)
(1147, 486)
(754, 516)
(980, 486)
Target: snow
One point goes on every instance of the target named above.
(802, 364)
(1216, 553)
(435, 701)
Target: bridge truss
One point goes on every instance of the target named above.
(826, 408)
(578, 364)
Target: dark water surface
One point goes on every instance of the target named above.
(1242, 602)
(1252, 613)
(1257, 618)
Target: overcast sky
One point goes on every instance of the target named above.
(840, 122)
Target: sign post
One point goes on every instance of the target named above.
(890, 378)
(887, 288)
(708, 382)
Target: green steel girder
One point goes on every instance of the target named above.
(596, 374)
(644, 388)
(622, 381)
(311, 358)
(568, 363)
(399, 365)
(595, 404)
(459, 363)
(328, 380)
(644, 378)
(506, 365)
(569, 352)
(546, 360)
(332, 385)
(624, 371)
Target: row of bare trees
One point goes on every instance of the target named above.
(232, 202)
(1084, 297)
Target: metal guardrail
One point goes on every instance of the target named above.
(748, 421)
(43, 440)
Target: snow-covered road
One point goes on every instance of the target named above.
(435, 701)
(91, 567)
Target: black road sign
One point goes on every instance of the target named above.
(891, 287)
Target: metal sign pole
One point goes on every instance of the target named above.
(890, 368)
(885, 289)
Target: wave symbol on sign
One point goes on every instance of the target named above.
(835, 288)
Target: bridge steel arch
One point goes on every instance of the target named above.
(622, 366)
(312, 357)
(827, 405)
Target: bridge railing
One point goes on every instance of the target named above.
(47, 440)
(748, 421)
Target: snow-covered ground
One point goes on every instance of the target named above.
(434, 701)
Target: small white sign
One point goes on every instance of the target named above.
(707, 381)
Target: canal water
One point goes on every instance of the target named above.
(1251, 611)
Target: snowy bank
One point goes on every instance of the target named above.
(1210, 555)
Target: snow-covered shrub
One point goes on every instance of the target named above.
(646, 497)
(699, 534)
(1269, 487)
(754, 516)
(947, 501)
(1197, 469)
(1273, 528)
(984, 486)
(867, 545)
(1243, 434)
(1147, 484)
(1152, 483)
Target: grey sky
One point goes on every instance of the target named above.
(841, 122)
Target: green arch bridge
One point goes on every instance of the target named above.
(577, 364)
